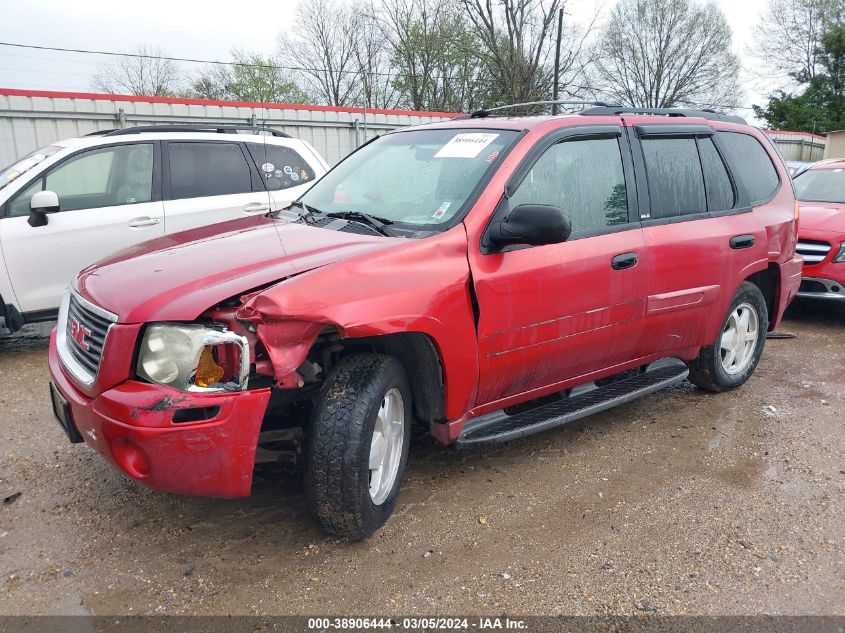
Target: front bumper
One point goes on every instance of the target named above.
(132, 426)
(825, 280)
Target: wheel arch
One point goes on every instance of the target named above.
(420, 356)
(768, 281)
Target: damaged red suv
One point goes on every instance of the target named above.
(487, 277)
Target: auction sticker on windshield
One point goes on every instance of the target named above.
(467, 145)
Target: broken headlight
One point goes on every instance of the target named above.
(194, 358)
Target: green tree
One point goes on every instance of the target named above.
(250, 77)
(820, 107)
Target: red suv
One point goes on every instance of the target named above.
(489, 277)
(821, 235)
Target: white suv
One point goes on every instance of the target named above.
(67, 205)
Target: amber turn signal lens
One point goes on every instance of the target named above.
(208, 371)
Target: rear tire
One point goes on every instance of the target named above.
(357, 445)
(731, 360)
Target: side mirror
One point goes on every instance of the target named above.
(533, 224)
(42, 203)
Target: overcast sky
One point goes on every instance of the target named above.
(207, 30)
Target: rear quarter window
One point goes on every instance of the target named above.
(750, 164)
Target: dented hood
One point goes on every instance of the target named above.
(178, 277)
(822, 216)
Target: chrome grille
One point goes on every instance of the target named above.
(813, 252)
(81, 336)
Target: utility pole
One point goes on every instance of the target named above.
(557, 59)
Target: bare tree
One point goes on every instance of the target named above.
(324, 47)
(147, 73)
(517, 44)
(788, 38)
(434, 54)
(375, 71)
(249, 77)
(668, 53)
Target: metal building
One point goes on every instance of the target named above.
(30, 119)
(798, 146)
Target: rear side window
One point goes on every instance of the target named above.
(281, 167)
(584, 178)
(675, 181)
(720, 192)
(207, 169)
(751, 165)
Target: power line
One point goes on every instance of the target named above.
(190, 60)
(241, 64)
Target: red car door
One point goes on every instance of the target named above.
(550, 313)
(702, 237)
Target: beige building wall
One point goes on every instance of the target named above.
(834, 146)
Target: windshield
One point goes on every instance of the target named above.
(416, 179)
(821, 185)
(23, 165)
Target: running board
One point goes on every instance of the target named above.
(501, 427)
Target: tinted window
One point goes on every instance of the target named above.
(106, 177)
(750, 164)
(207, 169)
(675, 182)
(720, 193)
(280, 167)
(584, 178)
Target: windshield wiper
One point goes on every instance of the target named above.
(307, 212)
(378, 224)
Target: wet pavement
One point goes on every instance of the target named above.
(682, 502)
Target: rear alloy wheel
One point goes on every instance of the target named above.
(731, 360)
(357, 444)
(739, 339)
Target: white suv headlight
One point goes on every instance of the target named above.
(194, 358)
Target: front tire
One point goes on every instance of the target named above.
(731, 360)
(357, 445)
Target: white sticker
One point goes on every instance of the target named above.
(268, 167)
(294, 176)
(288, 169)
(468, 145)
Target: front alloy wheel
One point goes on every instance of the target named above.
(357, 444)
(386, 446)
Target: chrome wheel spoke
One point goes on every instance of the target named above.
(739, 339)
(386, 446)
(727, 339)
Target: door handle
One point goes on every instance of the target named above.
(145, 221)
(256, 207)
(742, 241)
(624, 261)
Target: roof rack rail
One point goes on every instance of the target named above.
(100, 132)
(224, 128)
(705, 113)
(485, 112)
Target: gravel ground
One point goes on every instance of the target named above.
(683, 502)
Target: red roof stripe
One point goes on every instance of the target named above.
(815, 136)
(14, 92)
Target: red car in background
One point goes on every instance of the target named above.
(821, 234)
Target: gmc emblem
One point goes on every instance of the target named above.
(78, 332)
